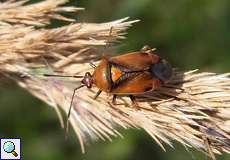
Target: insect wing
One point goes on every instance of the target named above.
(136, 84)
(135, 61)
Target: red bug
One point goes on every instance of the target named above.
(128, 74)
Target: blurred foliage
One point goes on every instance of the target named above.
(190, 34)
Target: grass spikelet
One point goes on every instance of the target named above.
(37, 14)
(193, 108)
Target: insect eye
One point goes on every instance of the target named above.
(87, 74)
(162, 70)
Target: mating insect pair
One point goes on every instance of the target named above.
(128, 75)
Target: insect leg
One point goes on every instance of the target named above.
(97, 94)
(92, 64)
(146, 48)
(133, 99)
(114, 99)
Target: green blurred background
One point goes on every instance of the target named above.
(189, 33)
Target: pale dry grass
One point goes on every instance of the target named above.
(193, 108)
(38, 14)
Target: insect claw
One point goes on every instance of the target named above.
(134, 102)
(97, 94)
(114, 99)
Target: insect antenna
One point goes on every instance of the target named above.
(57, 75)
(70, 108)
(71, 103)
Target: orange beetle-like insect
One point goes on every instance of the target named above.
(129, 74)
